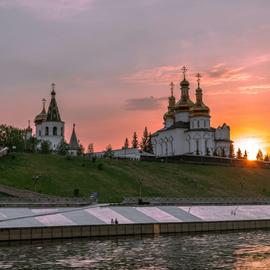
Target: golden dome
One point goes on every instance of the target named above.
(43, 115)
(199, 108)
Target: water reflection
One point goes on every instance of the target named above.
(242, 250)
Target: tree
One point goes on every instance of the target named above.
(108, 152)
(81, 150)
(267, 158)
(135, 143)
(149, 146)
(144, 140)
(223, 152)
(232, 153)
(126, 144)
(31, 144)
(90, 148)
(11, 136)
(62, 148)
(45, 147)
(239, 154)
(259, 155)
(245, 155)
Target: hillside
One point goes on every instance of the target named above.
(115, 179)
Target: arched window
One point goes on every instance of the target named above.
(46, 131)
(62, 131)
(39, 133)
(54, 131)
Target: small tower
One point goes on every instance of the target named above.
(169, 116)
(53, 127)
(74, 146)
(183, 106)
(29, 131)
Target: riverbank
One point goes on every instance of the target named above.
(114, 180)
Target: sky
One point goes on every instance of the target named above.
(112, 63)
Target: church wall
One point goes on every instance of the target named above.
(52, 132)
(169, 143)
(200, 122)
(169, 122)
(222, 133)
(199, 141)
(182, 116)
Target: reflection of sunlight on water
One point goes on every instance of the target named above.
(252, 257)
(76, 262)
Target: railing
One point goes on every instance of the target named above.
(197, 201)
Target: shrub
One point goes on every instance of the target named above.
(100, 166)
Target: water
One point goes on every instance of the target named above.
(238, 250)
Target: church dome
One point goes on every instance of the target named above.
(168, 115)
(184, 83)
(41, 116)
(184, 104)
(199, 108)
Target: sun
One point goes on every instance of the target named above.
(251, 145)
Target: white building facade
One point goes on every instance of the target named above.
(187, 127)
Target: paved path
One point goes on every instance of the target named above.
(97, 215)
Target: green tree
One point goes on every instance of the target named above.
(245, 155)
(135, 143)
(126, 144)
(149, 145)
(45, 147)
(108, 152)
(12, 137)
(232, 153)
(259, 155)
(239, 154)
(81, 150)
(62, 148)
(144, 140)
(31, 144)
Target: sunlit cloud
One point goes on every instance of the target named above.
(221, 73)
(254, 89)
(156, 75)
(50, 9)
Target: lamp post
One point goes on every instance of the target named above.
(35, 178)
(140, 191)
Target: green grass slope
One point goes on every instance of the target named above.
(119, 178)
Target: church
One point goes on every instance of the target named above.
(187, 127)
(51, 128)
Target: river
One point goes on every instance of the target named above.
(233, 250)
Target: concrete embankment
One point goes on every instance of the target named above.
(95, 221)
(58, 232)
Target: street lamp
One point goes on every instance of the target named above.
(140, 190)
(35, 178)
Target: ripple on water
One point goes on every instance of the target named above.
(239, 250)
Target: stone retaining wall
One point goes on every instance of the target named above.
(18, 234)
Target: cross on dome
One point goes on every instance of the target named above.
(172, 88)
(198, 76)
(184, 70)
(53, 87)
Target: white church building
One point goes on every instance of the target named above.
(187, 127)
(51, 128)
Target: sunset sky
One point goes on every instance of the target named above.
(112, 62)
